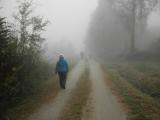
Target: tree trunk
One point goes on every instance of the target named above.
(133, 25)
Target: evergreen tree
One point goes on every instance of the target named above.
(8, 66)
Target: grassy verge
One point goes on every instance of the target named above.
(78, 100)
(140, 105)
(45, 94)
(145, 77)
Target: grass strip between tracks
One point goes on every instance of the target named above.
(74, 108)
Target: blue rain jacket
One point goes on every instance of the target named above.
(62, 65)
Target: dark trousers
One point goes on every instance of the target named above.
(62, 79)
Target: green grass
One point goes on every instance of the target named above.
(44, 92)
(141, 105)
(144, 77)
(75, 106)
(31, 103)
(151, 70)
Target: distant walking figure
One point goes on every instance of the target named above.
(62, 70)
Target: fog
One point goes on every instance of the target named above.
(69, 21)
(120, 28)
(54, 54)
(91, 25)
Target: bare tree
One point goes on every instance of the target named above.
(134, 13)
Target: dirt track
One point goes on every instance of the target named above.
(104, 106)
(52, 110)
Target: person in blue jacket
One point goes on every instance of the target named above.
(62, 70)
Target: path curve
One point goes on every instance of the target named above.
(51, 111)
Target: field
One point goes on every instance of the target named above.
(138, 84)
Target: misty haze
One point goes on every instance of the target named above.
(79, 60)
